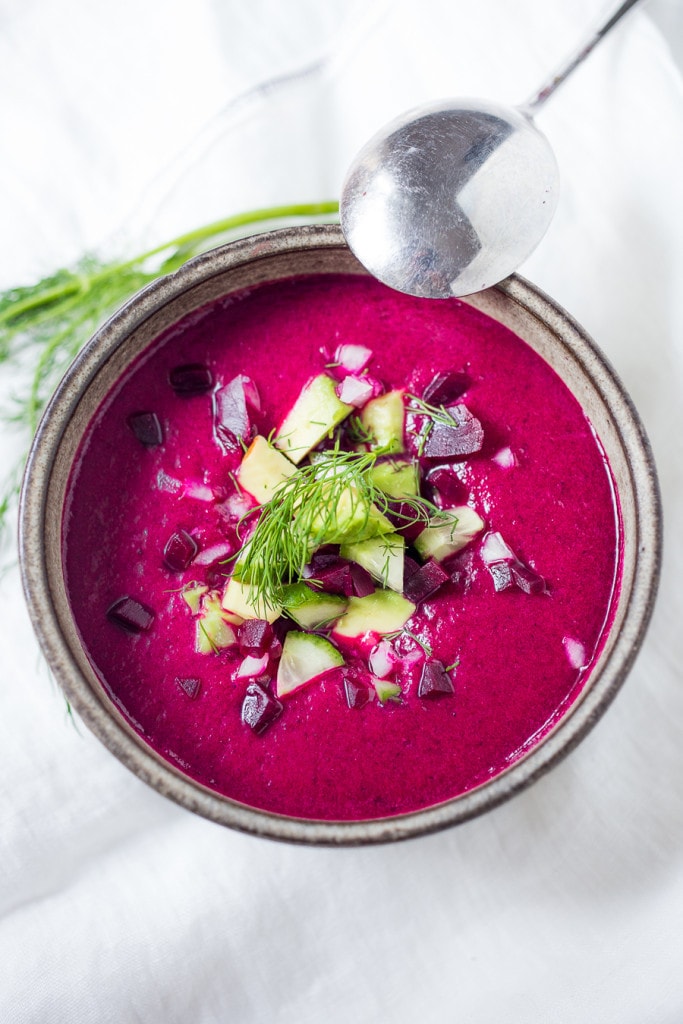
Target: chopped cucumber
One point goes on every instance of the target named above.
(305, 656)
(449, 533)
(383, 557)
(315, 413)
(383, 418)
(382, 612)
(310, 609)
(240, 598)
(352, 519)
(262, 469)
(386, 690)
(213, 631)
(396, 477)
(193, 594)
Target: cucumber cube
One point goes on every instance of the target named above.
(384, 418)
(449, 533)
(309, 609)
(396, 477)
(315, 413)
(305, 657)
(240, 598)
(262, 469)
(351, 519)
(382, 612)
(383, 558)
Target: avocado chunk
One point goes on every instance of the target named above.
(315, 413)
(382, 612)
(305, 657)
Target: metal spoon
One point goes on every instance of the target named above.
(450, 198)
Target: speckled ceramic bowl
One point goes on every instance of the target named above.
(321, 249)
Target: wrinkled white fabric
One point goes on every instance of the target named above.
(118, 125)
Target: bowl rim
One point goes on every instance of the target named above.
(161, 775)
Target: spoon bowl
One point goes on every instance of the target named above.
(450, 198)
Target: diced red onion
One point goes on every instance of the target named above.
(147, 428)
(505, 458)
(251, 667)
(355, 391)
(168, 483)
(260, 708)
(383, 659)
(198, 490)
(575, 651)
(353, 358)
(232, 424)
(495, 549)
(215, 553)
(236, 506)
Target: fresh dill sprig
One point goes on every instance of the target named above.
(44, 325)
(357, 432)
(330, 501)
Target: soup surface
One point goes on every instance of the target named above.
(517, 656)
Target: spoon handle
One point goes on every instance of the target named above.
(579, 55)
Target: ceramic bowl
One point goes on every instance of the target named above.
(279, 254)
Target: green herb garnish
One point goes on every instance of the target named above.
(44, 325)
(327, 502)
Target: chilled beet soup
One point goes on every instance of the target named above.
(460, 559)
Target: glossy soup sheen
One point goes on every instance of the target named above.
(555, 507)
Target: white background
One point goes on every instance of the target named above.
(564, 905)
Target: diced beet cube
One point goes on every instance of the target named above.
(231, 416)
(425, 582)
(191, 379)
(410, 567)
(501, 575)
(446, 388)
(147, 428)
(361, 581)
(255, 637)
(274, 648)
(335, 578)
(260, 708)
(130, 615)
(527, 580)
(190, 687)
(435, 681)
(180, 549)
(401, 515)
(464, 437)
(356, 692)
(449, 489)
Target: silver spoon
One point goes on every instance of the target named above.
(450, 198)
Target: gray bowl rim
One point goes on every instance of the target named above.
(162, 776)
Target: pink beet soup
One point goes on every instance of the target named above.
(517, 660)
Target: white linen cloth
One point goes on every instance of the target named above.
(565, 904)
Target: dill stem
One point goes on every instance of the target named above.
(82, 283)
